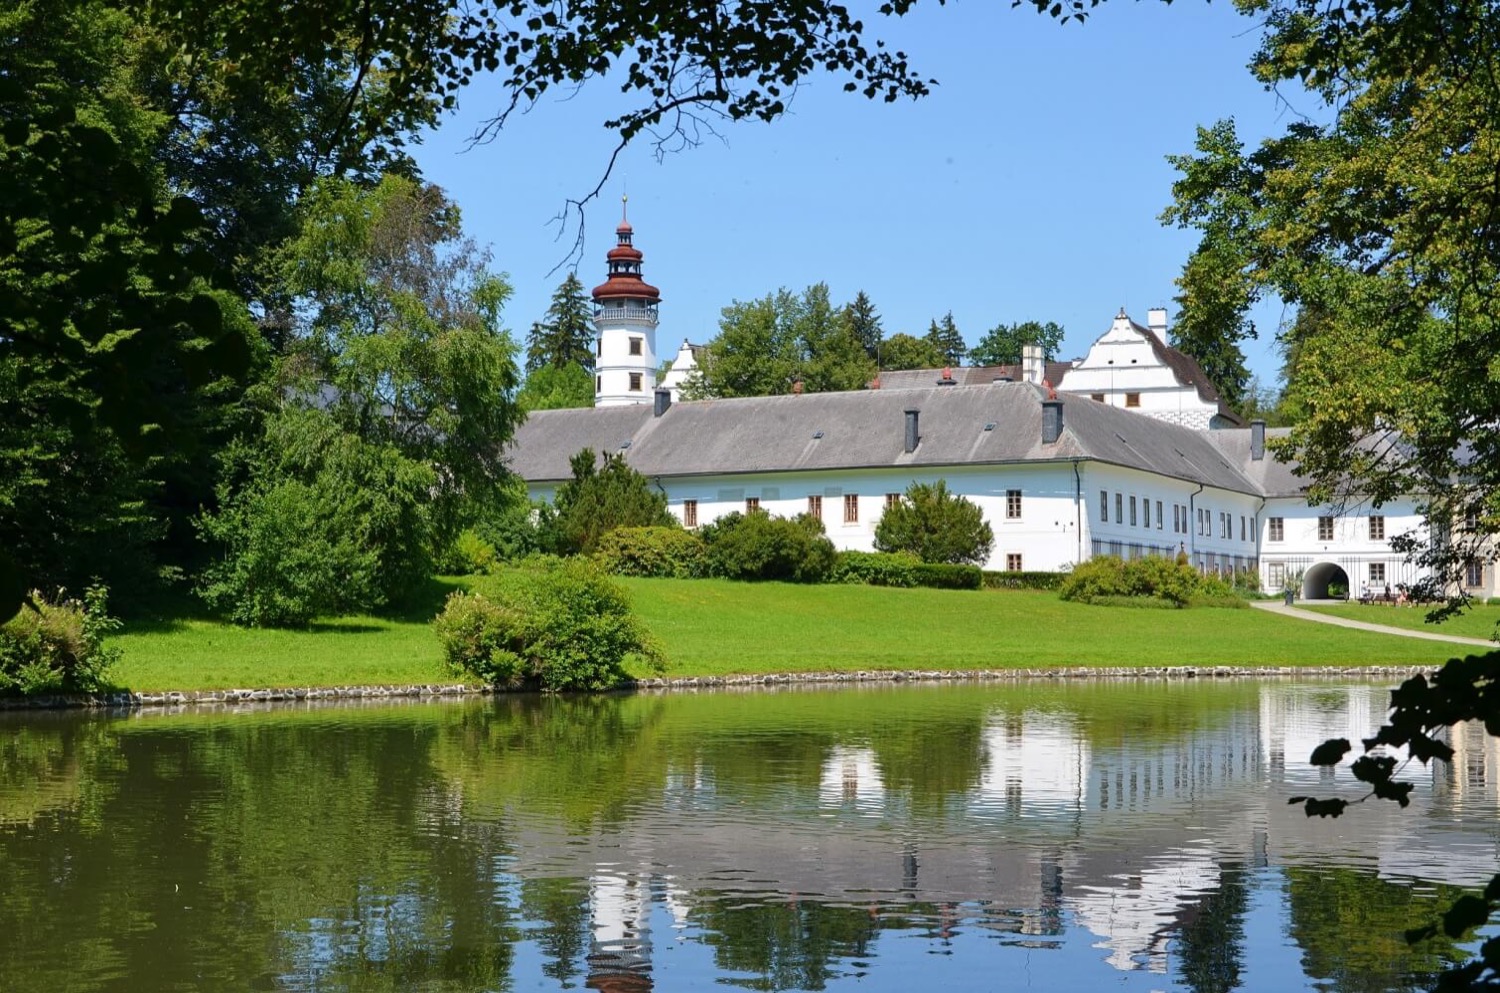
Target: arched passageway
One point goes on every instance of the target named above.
(1317, 580)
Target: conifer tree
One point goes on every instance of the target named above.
(944, 335)
(566, 334)
(865, 323)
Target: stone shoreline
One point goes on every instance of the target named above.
(429, 691)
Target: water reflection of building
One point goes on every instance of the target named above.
(619, 958)
(1126, 835)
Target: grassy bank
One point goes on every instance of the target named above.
(715, 627)
(1477, 622)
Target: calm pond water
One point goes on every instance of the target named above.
(1047, 836)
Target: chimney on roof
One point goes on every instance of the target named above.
(797, 387)
(1257, 439)
(913, 436)
(946, 379)
(1052, 421)
(662, 402)
(1033, 365)
(1156, 320)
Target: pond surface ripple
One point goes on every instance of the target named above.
(1045, 836)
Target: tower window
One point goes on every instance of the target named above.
(598, 384)
(635, 382)
(599, 346)
(635, 346)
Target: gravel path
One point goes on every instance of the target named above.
(1277, 607)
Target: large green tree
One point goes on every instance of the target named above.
(398, 331)
(601, 497)
(904, 351)
(766, 345)
(1382, 226)
(1001, 345)
(566, 334)
(556, 387)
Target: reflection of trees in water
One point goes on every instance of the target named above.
(560, 907)
(1211, 934)
(782, 944)
(1351, 924)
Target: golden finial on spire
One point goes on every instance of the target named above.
(624, 206)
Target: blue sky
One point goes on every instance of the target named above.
(1027, 186)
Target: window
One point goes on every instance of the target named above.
(1275, 529)
(1145, 512)
(599, 346)
(891, 499)
(1119, 509)
(1225, 524)
(1013, 504)
(1013, 562)
(815, 506)
(1377, 572)
(1242, 527)
(1198, 520)
(1176, 517)
(1132, 511)
(1377, 527)
(635, 346)
(1275, 573)
(1325, 529)
(1473, 573)
(1132, 399)
(1471, 521)
(690, 513)
(598, 384)
(851, 508)
(1104, 506)
(752, 504)
(1097, 397)
(635, 382)
(1160, 523)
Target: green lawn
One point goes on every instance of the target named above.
(715, 627)
(1477, 622)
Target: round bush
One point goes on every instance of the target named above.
(758, 546)
(568, 627)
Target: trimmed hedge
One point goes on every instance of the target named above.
(942, 576)
(1106, 578)
(1023, 580)
(875, 568)
(652, 552)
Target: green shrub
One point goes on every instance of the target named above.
(312, 520)
(658, 552)
(600, 498)
(945, 576)
(936, 526)
(1230, 600)
(468, 554)
(1023, 580)
(875, 568)
(568, 627)
(57, 646)
(1105, 578)
(758, 546)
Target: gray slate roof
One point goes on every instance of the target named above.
(968, 375)
(866, 430)
(1271, 476)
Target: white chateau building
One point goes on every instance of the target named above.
(1127, 451)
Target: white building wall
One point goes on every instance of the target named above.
(1121, 369)
(1351, 549)
(618, 323)
(1045, 535)
(683, 366)
(1221, 542)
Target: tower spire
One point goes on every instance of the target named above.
(625, 322)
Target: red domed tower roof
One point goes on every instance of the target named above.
(625, 282)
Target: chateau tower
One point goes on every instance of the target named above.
(625, 327)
